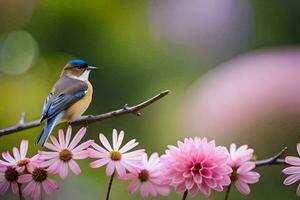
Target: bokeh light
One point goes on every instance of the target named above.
(18, 52)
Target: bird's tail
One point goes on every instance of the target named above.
(45, 133)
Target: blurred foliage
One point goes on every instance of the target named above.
(115, 36)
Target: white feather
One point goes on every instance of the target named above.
(83, 77)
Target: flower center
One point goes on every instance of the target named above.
(22, 163)
(11, 174)
(39, 174)
(144, 175)
(115, 155)
(234, 175)
(65, 155)
(196, 168)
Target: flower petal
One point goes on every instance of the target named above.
(291, 179)
(81, 155)
(292, 160)
(61, 138)
(110, 168)
(120, 169)
(144, 191)
(68, 135)
(74, 167)
(130, 145)
(77, 138)
(24, 178)
(120, 139)
(63, 172)
(29, 188)
(23, 148)
(16, 153)
(6, 155)
(3, 187)
(133, 186)
(83, 146)
(242, 187)
(99, 163)
(245, 167)
(55, 143)
(291, 170)
(298, 191)
(115, 139)
(105, 142)
(99, 148)
(36, 192)
(55, 167)
(51, 146)
(15, 188)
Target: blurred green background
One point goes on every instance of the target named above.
(142, 48)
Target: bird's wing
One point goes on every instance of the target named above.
(63, 102)
(66, 92)
(46, 106)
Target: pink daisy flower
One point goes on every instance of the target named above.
(147, 178)
(241, 165)
(19, 159)
(294, 171)
(196, 165)
(8, 177)
(65, 152)
(37, 178)
(114, 156)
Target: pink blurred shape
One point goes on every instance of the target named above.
(243, 91)
(207, 30)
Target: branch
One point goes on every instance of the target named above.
(274, 160)
(22, 125)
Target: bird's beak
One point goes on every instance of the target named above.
(92, 68)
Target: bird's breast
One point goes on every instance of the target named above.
(78, 108)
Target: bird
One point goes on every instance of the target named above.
(69, 98)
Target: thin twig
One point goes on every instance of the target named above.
(185, 195)
(227, 192)
(274, 160)
(23, 116)
(22, 125)
(109, 186)
(20, 192)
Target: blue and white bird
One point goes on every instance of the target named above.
(69, 98)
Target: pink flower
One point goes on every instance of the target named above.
(241, 165)
(116, 158)
(8, 177)
(294, 171)
(19, 159)
(240, 155)
(65, 152)
(147, 178)
(196, 164)
(37, 178)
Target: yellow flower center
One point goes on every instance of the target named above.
(65, 155)
(39, 174)
(115, 155)
(22, 163)
(144, 175)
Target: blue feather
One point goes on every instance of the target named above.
(45, 133)
(78, 62)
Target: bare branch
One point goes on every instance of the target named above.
(22, 125)
(274, 160)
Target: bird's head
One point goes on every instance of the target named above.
(78, 69)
